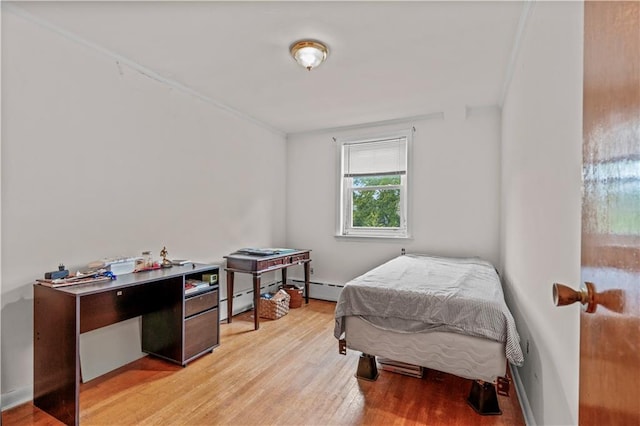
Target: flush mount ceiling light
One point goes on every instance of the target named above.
(309, 53)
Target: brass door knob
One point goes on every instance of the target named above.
(564, 295)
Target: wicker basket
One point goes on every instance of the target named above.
(275, 307)
(296, 295)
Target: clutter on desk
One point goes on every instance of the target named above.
(62, 272)
(90, 277)
(253, 251)
(118, 265)
(146, 262)
(109, 268)
(166, 263)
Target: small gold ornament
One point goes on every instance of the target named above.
(166, 263)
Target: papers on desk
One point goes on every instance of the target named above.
(63, 282)
(90, 277)
(264, 251)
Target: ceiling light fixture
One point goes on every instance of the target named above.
(309, 53)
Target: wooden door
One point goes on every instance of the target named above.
(610, 337)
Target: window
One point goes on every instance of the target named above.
(373, 181)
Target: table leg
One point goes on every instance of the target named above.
(56, 361)
(307, 268)
(230, 275)
(256, 301)
(284, 277)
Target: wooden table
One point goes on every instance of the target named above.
(256, 265)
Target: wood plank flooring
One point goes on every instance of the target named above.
(287, 373)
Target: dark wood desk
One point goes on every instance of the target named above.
(175, 326)
(257, 265)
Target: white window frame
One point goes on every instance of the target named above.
(344, 226)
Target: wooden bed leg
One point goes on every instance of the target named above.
(483, 399)
(503, 386)
(367, 368)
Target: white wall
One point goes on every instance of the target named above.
(541, 181)
(454, 200)
(99, 160)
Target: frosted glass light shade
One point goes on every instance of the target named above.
(309, 53)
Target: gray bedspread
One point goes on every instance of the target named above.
(416, 293)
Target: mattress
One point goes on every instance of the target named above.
(418, 293)
(470, 357)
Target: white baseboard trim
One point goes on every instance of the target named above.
(16, 397)
(522, 397)
(243, 300)
(322, 291)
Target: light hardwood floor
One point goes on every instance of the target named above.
(287, 373)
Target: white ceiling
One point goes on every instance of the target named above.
(387, 60)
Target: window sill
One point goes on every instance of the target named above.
(371, 238)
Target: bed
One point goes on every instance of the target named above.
(442, 313)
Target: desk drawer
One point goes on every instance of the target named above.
(270, 263)
(200, 303)
(200, 333)
(298, 258)
(108, 307)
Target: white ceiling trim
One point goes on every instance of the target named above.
(140, 68)
(522, 23)
(432, 116)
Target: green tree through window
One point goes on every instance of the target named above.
(373, 188)
(374, 205)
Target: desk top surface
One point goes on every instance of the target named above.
(137, 278)
(242, 255)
